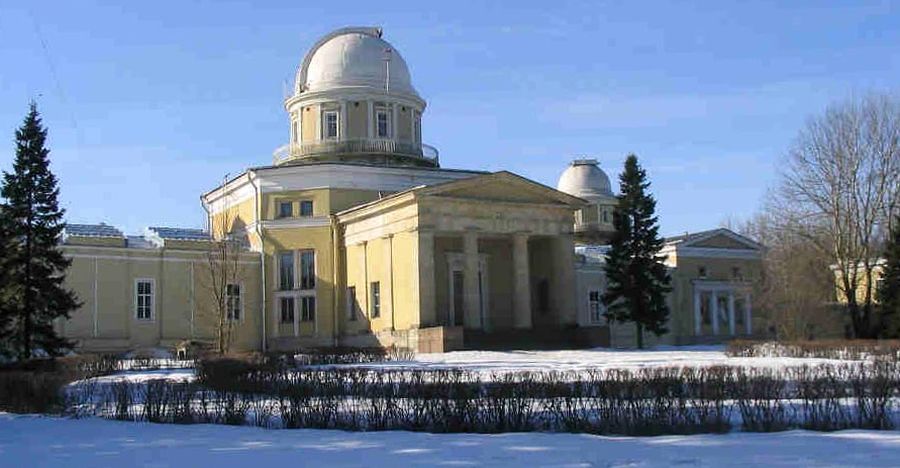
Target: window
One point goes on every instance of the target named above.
(143, 299)
(295, 131)
(383, 123)
(308, 308)
(352, 304)
(701, 272)
(285, 209)
(233, 301)
(736, 273)
(594, 306)
(375, 291)
(287, 309)
(605, 215)
(330, 125)
(417, 127)
(286, 271)
(307, 269)
(306, 208)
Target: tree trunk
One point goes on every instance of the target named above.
(640, 335)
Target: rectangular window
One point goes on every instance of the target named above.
(383, 123)
(594, 306)
(701, 272)
(330, 125)
(307, 269)
(287, 309)
(375, 288)
(295, 131)
(417, 127)
(308, 308)
(352, 304)
(736, 274)
(285, 209)
(143, 299)
(233, 301)
(306, 208)
(286, 271)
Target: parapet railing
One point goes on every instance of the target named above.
(358, 146)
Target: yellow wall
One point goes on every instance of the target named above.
(235, 218)
(404, 123)
(877, 272)
(357, 124)
(179, 294)
(318, 239)
(310, 124)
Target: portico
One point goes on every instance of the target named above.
(721, 308)
(492, 252)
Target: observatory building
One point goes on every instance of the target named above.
(355, 235)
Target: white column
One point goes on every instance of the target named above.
(96, 306)
(342, 133)
(472, 301)
(319, 120)
(426, 284)
(192, 300)
(522, 290)
(731, 312)
(698, 316)
(395, 122)
(370, 119)
(296, 315)
(714, 308)
(748, 316)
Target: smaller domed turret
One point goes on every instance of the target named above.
(584, 179)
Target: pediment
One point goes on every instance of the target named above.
(503, 187)
(723, 239)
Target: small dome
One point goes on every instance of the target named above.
(584, 179)
(354, 58)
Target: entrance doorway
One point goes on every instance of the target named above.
(457, 313)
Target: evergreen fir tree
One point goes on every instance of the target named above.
(33, 295)
(888, 292)
(637, 280)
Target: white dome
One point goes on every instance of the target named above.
(354, 58)
(584, 179)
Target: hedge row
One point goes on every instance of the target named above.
(642, 402)
(852, 350)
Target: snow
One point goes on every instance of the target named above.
(598, 358)
(37, 441)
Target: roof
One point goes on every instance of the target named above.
(354, 58)
(562, 197)
(176, 233)
(593, 253)
(691, 237)
(584, 178)
(92, 230)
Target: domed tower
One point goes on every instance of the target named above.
(593, 223)
(353, 100)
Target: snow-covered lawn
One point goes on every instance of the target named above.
(35, 441)
(598, 358)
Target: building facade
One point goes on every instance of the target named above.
(356, 236)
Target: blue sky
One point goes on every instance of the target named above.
(151, 103)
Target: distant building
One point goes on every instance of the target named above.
(356, 236)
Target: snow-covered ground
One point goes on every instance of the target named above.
(599, 358)
(35, 441)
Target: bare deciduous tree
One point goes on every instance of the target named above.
(222, 279)
(839, 185)
(796, 286)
